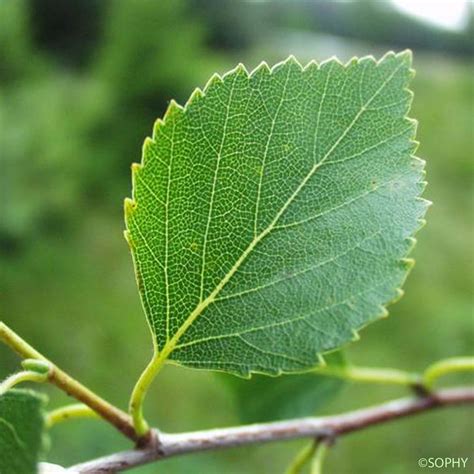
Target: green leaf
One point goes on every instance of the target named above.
(21, 431)
(263, 398)
(272, 215)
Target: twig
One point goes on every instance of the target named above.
(168, 445)
(61, 379)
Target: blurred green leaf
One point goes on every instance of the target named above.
(21, 431)
(272, 215)
(263, 398)
(42, 151)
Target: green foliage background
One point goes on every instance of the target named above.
(80, 87)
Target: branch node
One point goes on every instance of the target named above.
(421, 390)
(327, 435)
(150, 441)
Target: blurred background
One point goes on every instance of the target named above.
(81, 84)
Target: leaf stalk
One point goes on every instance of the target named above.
(76, 410)
(321, 449)
(444, 367)
(302, 458)
(371, 375)
(139, 393)
(19, 377)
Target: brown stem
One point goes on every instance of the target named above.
(168, 445)
(72, 387)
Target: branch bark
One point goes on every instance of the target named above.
(166, 445)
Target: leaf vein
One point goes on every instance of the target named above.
(265, 153)
(214, 184)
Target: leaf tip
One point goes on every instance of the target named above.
(403, 58)
(406, 56)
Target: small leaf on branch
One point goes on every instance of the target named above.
(21, 431)
(263, 398)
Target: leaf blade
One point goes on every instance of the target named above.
(261, 177)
